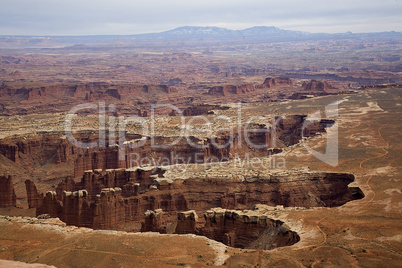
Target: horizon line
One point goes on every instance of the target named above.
(192, 26)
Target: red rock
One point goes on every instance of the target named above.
(107, 200)
(153, 222)
(10, 151)
(202, 109)
(50, 205)
(109, 209)
(230, 89)
(186, 222)
(246, 230)
(35, 152)
(315, 85)
(34, 198)
(271, 82)
(47, 98)
(7, 193)
(76, 208)
(245, 88)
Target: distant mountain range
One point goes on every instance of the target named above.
(216, 32)
(187, 36)
(259, 32)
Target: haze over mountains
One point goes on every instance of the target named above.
(217, 32)
(186, 33)
(256, 31)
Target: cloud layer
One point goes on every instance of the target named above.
(73, 17)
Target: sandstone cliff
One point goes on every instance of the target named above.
(154, 222)
(272, 82)
(27, 99)
(34, 198)
(315, 85)
(82, 91)
(38, 151)
(240, 229)
(107, 200)
(203, 109)
(242, 89)
(231, 89)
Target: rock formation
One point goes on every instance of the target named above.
(108, 210)
(50, 205)
(95, 90)
(240, 229)
(39, 150)
(42, 99)
(203, 109)
(315, 85)
(272, 82)
(186, 222)
(119, 199)
(34, 198)
(381, 86)
(231, 89)
(7, 193)
(154, 222)
(10, 151)
(241, 89)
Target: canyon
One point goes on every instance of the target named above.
(117, 193)
(145, 200)
(25, 98)
(132, 192)
(39, 151)
(199, 152)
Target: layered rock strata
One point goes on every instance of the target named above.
(34, 197)
(240, 229)
(315, 85)
(62, 97)
(255, 141)
(120, 199)
(245, 88)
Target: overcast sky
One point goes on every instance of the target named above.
(90, 17)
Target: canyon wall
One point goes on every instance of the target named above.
(37, 151)
(34, 197)
(202, 109)
(120, 199)
(315, 85)
(240, 229)
(255, 142)
(89, 91)
(18, 99)
(231, 89)
(277, 81)
(242, 89)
